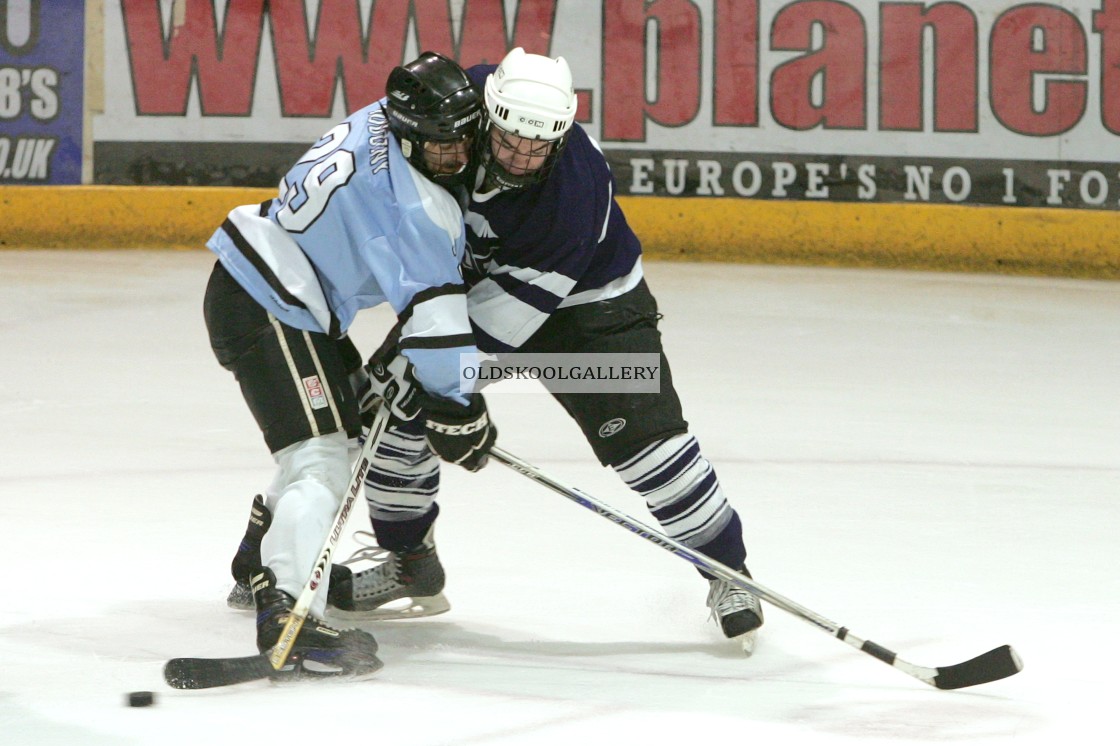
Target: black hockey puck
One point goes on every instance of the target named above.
(141, 699)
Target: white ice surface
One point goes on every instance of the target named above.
(931, 460)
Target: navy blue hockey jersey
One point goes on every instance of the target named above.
(560, 243)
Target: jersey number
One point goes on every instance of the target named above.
(333, 167)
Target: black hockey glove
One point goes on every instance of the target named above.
(460, 434)
(387, 379)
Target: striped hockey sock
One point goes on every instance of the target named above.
(682, 491)
(403, 478)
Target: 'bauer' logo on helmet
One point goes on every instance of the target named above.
(431, 99)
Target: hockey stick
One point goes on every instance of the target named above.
(993, 665)
(203, 673)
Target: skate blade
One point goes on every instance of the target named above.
(747, 642)
(402, 608)
(307, 671)
(241, 598)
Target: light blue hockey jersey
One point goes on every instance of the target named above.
(354, 226)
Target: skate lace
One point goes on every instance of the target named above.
(725, 599)
(383, 576)
(367, 549)
(318, 624)
(281, 615)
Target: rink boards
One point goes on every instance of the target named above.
(1020, 240)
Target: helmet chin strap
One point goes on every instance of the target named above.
(483, 185)
(492, 181)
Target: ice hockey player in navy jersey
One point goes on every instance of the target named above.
(365, 217)
(553, 267)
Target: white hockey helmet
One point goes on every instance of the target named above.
(531, 96)
(528, 96)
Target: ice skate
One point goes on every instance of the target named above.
(319, 651)
(401, 585)
(241, 594)
(739, 612)
(247, 559)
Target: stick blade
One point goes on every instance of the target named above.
(991, 666)
(205, 673)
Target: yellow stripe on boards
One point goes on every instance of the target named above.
(958, 238)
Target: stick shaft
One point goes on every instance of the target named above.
(654, 536)
(993, 665)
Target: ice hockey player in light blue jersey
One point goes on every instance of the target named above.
(354, 227)
(553, 267)
(365, 217)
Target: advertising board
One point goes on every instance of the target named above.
(41, 91)
(997, 102)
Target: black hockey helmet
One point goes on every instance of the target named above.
(431, 99)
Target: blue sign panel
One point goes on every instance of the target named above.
(41, 49)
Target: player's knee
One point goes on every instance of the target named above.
(323, 459)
